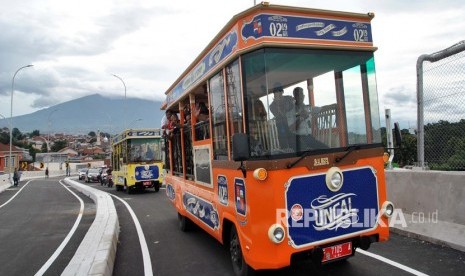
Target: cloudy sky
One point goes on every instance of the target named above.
(76, 46)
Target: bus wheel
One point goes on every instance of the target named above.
(119, 188)
(240, 267)
(157, 187)
(184, 223)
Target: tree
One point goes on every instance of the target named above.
(44, 147)
(5, 138)
(35, 133)
(32, 151)
(92, 134)
(407, 154)
(58, 145)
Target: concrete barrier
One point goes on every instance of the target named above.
(431, 205)
(97, 252)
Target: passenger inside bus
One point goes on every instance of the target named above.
(201, 112)
(201, 115)
(280, 108)
(173, 125)
(165, 121)
(187, 113)
(301, 123)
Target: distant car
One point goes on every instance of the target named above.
(93, 175)
(82, 173)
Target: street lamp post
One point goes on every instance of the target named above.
(109, 140)
(11, 121)
(49, 128)
(125, 105)
(133, 122)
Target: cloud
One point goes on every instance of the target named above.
(76, 46)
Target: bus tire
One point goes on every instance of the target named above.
(119, 188)
(240, 267)
(157, 187)
(184, 223)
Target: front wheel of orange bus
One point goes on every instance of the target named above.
(241, 268)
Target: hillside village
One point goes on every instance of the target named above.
(75, 149)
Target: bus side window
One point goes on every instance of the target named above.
(218, 117)
(257, 127)
(234, 100)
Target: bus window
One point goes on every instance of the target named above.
(218, 115)
(321, 74)
(234, 99)
(325, 125)
(353, 100)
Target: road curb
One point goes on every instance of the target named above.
(438, 232)
(97, 251)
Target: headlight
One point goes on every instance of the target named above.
(334, 179)
(387, 209)
(260, 174)
(276, 233)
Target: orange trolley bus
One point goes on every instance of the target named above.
(278, 153)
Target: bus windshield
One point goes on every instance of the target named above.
(144, 150)
(299, 100)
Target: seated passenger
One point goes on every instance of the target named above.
(259, 110)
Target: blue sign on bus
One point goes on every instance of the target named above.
(271, 25)
(316, 214)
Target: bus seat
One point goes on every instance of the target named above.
(326, 130)
(273, 134)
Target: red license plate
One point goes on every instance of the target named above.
(337, 251)
(147, 183)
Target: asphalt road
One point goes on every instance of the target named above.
(174, 252)
(37, 220)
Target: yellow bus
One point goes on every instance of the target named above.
(288, 166)
(137, 159)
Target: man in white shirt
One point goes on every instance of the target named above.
(300, 123)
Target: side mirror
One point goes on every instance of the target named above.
(397, 135)
(240, 147)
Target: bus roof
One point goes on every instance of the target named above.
(138, 133)
(266, 25)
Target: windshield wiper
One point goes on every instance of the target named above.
(349, 149)
(305, 154)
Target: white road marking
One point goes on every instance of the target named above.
(60, 248)
(24, 186)
(390, 262)
(143, 243)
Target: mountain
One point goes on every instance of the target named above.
(91, 113)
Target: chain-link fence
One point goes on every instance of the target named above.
(441, 109)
